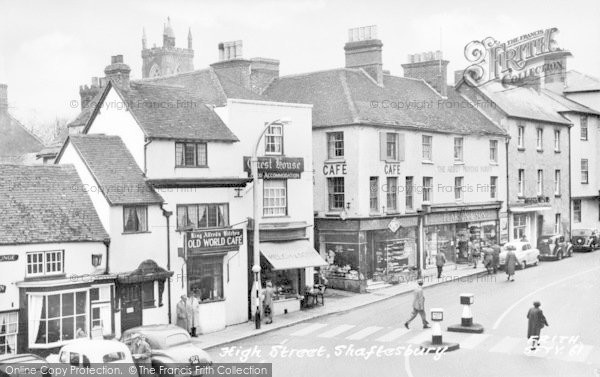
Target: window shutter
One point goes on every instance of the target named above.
(401, 147)
(382, 146)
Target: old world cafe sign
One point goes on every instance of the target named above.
(277, 167)
(206, 241)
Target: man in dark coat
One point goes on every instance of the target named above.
(440, 260)
(510, 264)
(536, 322)
(488, 258)
(495, 257)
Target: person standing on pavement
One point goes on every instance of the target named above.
(418, 306)
(475, 253)
(268, 295)
(510, 264)
(181, 310)
(488, 259)
(496, 257)
(536, 321)
(440, 260)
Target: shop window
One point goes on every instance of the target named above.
(148, 295)
(42, 263)
(427, 143)
(459, 182)
(190, 155)
(519, 226)
(409, 193)
(205, 276)
(342, 259)
(374, 194)
(493, 187)
(557, 182)
(392, 194)
(393, 252)
(274, 197)
(56, 317)
(135, 219)
(557, 140)
(458, 149)
(335, 188)
(274, 140)
(584, 170)
(200, 216)
(335, 145)
(584, 127)
(577, 210)
(285, 282)
(9, 329)
(494, 151)
(427, 189)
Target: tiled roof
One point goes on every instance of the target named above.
(114, 168)
(348, 96)
(565, 104)
(15, 140)
(579, 82)
(41, 203)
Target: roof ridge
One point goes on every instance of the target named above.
(316, 72)
(348, 95)
(188, 73)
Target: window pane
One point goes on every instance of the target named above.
(67, 304)
(190, 154)
(223, 215)
(53, 306)
(53, 330)
(80, 302)
(179, 160)
(201, 154)
(212, 215)
(68, 331)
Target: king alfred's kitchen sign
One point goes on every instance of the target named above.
(206, 241)
(277, 167)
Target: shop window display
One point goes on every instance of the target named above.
(285, 282)
(342, 260)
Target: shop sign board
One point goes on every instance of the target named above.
(335, 168)
(394, 225)
(467, 216)
(9, 257)
(205, 241)
(276, 167)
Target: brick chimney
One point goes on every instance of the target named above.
(87, 93)
(431, 67)
(262, 72)
(364, 50)
(118, 72)
(232, 64)
(3, 98)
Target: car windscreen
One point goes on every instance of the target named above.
(113, 357)
(176, 339)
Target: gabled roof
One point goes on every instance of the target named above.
(42, 204)
(566, 105)
(579, 82)
(15, 140)
(114, 169)
(169, 112)
(349, 96)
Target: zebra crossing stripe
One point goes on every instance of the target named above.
(507, 344)
(307, 330)
(392, 335)
(336, 331)
(423, 336)
(364, 333)
(473, 341)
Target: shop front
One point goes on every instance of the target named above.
(365, 251)
(449, 229)
(527, 219)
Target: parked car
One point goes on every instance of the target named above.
(585, 240)
(39, 365)
(85, 352)
(554, 247)
(526, 255)
(171, 346)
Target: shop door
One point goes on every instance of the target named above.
(131, 306)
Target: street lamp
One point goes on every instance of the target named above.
(256, 215)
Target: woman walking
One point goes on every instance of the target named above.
(511, 263)
(536, 322)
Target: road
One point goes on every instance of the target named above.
(346, 344)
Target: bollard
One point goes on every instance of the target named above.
(466, 321)
(437, 343)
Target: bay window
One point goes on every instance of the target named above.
(199, 216)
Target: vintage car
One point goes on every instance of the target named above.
(526, 255)
(554, 247)
(29, 365)
(171, 346)
(86, 353)
(585, 240)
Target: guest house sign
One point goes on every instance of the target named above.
(277, 167)
(206, 241)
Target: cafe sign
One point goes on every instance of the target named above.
(9, 257)
(274, 167)
(206, 241)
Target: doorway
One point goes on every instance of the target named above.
(131, 306)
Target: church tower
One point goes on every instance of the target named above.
(168, 59)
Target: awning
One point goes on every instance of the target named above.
(291, 255)
(148, 270)
(529, 209)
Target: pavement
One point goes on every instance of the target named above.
(336, 302)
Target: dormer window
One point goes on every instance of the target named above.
(190, 155)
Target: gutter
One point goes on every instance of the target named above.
(167, 215)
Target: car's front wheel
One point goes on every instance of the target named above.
(523, 265)
(559, 255)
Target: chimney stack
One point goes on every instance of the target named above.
(431, 67)
(232, 64)
(118, 72)
(87, 93)
(364, 50)
(3, 98)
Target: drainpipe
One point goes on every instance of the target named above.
(106, 243)
(507, 192)
(167, 215)
(570, 186)
(146, 142)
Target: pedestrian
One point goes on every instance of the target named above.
(193, 314)
(268, 294)
(418, 306)
(496, 257)
(141, 353)
(536, 322)
(488, 259)
(181, 310)
(510, 263)
(475, 252)
(440, 260)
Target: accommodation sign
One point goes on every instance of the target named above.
(202, 241)
(271, 167)
(9, 257)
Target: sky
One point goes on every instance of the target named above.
(49, 48)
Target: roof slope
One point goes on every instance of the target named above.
(15, 140)
(348, 96)
(115, 170)
(565, 105)
(41, 203)
(579, 82)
